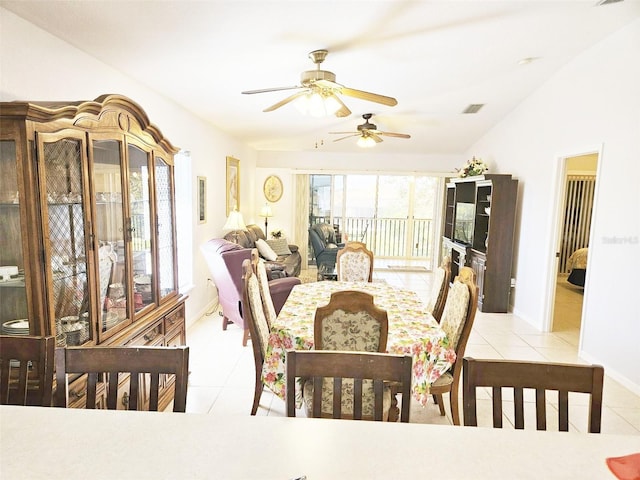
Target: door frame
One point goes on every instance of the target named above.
(556, 231)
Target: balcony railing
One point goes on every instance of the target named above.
(387, 237)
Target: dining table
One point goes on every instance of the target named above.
(412, 331)
(65, 443)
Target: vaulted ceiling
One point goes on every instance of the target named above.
(434, 57)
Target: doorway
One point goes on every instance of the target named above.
(575, 215)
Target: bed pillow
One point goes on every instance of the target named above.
(280, 246)
(265, 250)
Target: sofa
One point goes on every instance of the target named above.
(278, 254)
(224, 259)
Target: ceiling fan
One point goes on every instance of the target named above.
(368, 133)
(320, 89)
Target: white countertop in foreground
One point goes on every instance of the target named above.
(56, 443)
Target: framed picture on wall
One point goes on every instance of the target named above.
(202, 199)
(233, 184)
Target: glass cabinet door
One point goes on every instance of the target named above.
(61, 157)
(164, 205)
(109, 228)
(13, 299)
(140, 227)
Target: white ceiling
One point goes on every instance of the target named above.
(435, 57)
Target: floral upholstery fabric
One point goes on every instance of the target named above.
(347, 398)
(357, 331)
(255, 303)
(438, 278)
(265, 293)
(455, 312)
(354, 267)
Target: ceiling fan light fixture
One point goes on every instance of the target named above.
(318, 104)
(365, 141)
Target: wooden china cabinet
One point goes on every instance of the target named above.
(88, 225)
(479, 230)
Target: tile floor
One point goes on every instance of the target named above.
(222, 371)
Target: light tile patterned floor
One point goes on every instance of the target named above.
(222, 372)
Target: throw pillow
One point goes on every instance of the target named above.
(280, 246)
(265, 250)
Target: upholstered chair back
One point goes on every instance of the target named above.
(355, 263)
(260, 271)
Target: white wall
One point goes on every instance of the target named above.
(593, 102)
(38, 66)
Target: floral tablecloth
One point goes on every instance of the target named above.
(412, 331)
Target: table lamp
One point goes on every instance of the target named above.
(234, 222)
(266, 213)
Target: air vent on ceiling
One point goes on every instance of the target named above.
(473, 108)
(606, 2)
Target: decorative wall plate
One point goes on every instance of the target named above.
(272, 188)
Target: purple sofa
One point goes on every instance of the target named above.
(225, 259)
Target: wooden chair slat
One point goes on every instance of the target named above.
(541, 409)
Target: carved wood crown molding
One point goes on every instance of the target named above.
(108, 110)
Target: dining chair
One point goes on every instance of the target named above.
(260, 271)
(259, 330)
(439, 289)
(348, 385)
(146, 367)
(541, 376)
(457, 320)
(354, 263)
(349, 322)
(26, 370)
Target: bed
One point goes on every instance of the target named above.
(577, 266)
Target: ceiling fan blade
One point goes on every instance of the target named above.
(290, 98)
(398, 135)
(375, 137)
(371, 97)
(348, 136)
(275, 89)
(343, 111)
(344, 133)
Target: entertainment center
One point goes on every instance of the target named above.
(478, 232)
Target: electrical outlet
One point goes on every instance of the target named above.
(513, 282)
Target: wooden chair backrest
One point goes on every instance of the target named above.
(253, 314)
(381, 368)
(541, 376)
(260, 271)
(342, 257)
(36, 361)
(350, 302)
(466, 276)
(441, 295)
(108, 363)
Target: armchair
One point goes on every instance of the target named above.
(325, 247)
(225, 259)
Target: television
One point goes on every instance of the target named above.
(463, 229)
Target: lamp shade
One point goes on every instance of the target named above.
(318, 104)
(366, 142)
(266, 212)
(234, 222)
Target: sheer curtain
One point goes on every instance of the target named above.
(301, 229)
